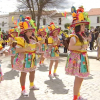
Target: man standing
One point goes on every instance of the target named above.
(92, 40)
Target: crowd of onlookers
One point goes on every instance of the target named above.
(95, 41)
(94, 44)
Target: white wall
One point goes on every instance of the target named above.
(4, 18)
(56, 21)
(94, 21)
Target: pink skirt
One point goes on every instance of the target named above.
(18, 64)
(77, 65)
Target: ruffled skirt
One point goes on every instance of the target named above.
(24, 62)
(77, 65)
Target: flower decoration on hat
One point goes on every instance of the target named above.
(27, 24)
(79, 16)
(41, 31)
(53, 28)
(14, 30)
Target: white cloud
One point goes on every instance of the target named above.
(7, 6)
(88, 4)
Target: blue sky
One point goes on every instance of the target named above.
(7, 6)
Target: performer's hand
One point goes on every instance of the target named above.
(85, 46)
(28, 48)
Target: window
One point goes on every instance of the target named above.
(2, 23)
(44, 21)
(59, 21)
(98, 19)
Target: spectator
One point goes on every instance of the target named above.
(98, 46)
(65, 45)
(87, 32)
(96, 34)
(92, 41)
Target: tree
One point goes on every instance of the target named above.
(36, 7)
(67, 25)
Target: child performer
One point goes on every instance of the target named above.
(13, 34)
(42, 40)
(77, 60)
(2, 50)
(25, 58)
(53, 42)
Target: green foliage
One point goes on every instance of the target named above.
(66, 31)
(67, 25)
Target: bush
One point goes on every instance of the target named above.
(66, 31)
(67, 25)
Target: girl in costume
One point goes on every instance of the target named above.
(77, 60)
(25, 58)
(2, 50)
(53, 42)
(1, 75)
(42, 40)
(13, 34)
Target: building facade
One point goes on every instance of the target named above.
(4, 23)
(46, 18)
(94, 15)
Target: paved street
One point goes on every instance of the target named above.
(60, 88)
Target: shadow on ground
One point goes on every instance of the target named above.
(90, 77)
(11, 75)
(43, 68)
(9, 66)
(56, 86)
(30, 97)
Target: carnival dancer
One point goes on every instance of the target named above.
(25, 58)
(12, 42)
(77, 60)
(2, 50)
(53, 42)
(42, 40)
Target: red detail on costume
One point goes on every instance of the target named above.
(23, 88)
(49, 72)
(75, 97)
(27, 17)
(51, 23)
(80, 10)
(40, 62)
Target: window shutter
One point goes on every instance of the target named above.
(98, 19)
(59, 21)
(44, 21)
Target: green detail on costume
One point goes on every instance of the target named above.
(53, 52)
(83, 68)
(28, 60)
(16, 56)
(13, 51)
(43, 47)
